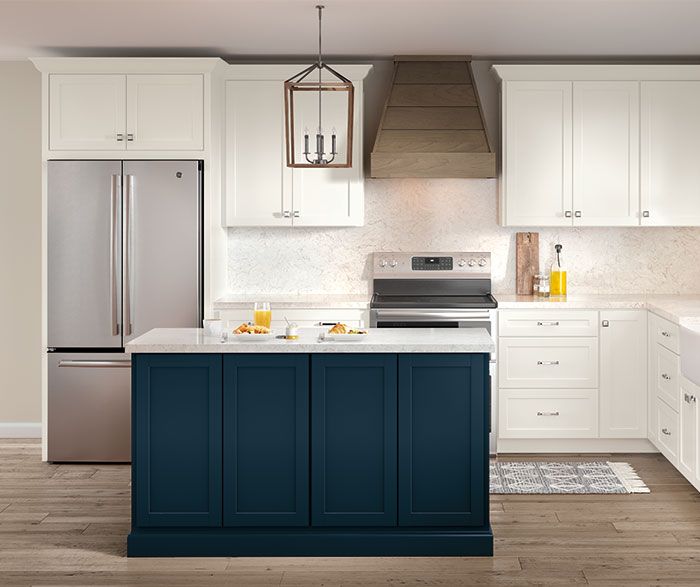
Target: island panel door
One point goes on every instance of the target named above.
(176, 461)
(443, 426)
(353, 439)
(266, 440)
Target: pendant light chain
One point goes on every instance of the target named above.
(320, 8)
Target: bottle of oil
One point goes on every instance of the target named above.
(558, 274)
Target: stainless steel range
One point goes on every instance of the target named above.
(436, 290)
(432, 290)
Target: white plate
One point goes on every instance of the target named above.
(252, 337)
(344, 337)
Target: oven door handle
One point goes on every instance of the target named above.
(431, 315)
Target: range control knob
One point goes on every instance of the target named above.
(393, 263)
(482, 262)
(461, 262)
(382, 263)
(472, 262)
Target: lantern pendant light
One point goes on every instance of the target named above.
(304, 86)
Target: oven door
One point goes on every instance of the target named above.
(430, 318)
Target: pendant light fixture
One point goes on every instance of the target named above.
(319, 103)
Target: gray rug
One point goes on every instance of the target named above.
(536, 477)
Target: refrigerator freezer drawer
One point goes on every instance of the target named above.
(89, 398)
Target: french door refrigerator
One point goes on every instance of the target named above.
(124, 256)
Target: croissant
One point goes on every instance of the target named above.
(339, 328)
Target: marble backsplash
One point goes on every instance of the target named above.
(455, 214)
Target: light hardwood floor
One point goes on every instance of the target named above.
(67, 525)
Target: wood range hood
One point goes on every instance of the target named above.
(432, 124)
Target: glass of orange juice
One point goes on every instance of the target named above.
(262, 314)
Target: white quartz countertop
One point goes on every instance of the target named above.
(674, 308)
(378, 340)
(287, 301)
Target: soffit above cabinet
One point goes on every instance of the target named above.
(432, 124)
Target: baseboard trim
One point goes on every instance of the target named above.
(20, 429)
(575, 445)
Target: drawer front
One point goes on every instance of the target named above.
(548, 323)
(667, 376)
(549, 413)
(667, 431)
(548, 363)
(666, 333)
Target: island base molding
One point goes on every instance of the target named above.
(200, 542)
(575, 445)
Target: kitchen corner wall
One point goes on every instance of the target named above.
(20, 249)
(452, 215)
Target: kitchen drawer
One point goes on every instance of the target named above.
(548, 323)
(548, 363)
(667, 376)
(665, 333)
(548, 413)
(667, 433)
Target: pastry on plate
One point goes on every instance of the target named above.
(339, 328)
(246, 328)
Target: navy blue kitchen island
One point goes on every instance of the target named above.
(310, 448)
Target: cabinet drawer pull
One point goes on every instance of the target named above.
(120, 137)
(689, 398)
(666, 376)
(286, 214)
(296, 213)
(130, 136)
(544, 363)
(666, 334)
(548, 413)
(556, 323)
(666, 431)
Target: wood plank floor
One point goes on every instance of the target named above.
(67, 525)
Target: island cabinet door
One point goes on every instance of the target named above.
(176, 464)
(266, 440)
(443, 430)
(353, 438)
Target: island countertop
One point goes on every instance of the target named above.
(378, 340)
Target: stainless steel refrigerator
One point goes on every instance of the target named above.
(124, 256)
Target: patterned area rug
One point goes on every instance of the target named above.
(541, 477)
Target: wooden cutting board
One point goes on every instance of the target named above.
(527, 261)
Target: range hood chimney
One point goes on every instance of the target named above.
(432, 124)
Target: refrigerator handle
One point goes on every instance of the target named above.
(129, 194)
(93, 364)
(113, 245)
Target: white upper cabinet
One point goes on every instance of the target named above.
(623, 374)
(258, 183)
(670, 149)
(537, 130)
(259, 188)
(600, 145)
(606, 153)
(165, 112)
(87, 112)
(118, 112)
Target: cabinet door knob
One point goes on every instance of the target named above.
(645, 214)
(666, 431)
(567, 214)
(666, 334)
(666, 376)
(577, 214)
(130, 136)
(120, 137)
(287, 214)
(296, 213)
(606, 323)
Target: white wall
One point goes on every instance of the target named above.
(20, 252)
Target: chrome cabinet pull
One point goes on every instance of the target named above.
(645, 214)
(547, 362)
(130, 137)
(666, 376)
(689, 398)
(128, 265)
(666, 334)
(577, 214)
(567, 214)
(548, 413)
(115, 188)
(606, 323)
(296, 213)
(286, 214)
(548, 323)
(120, 137)
(666, 431)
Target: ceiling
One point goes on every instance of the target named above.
(246, 29)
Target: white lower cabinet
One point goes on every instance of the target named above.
(623, 374)
(689, 430)
(668, 429)
(548, 413)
